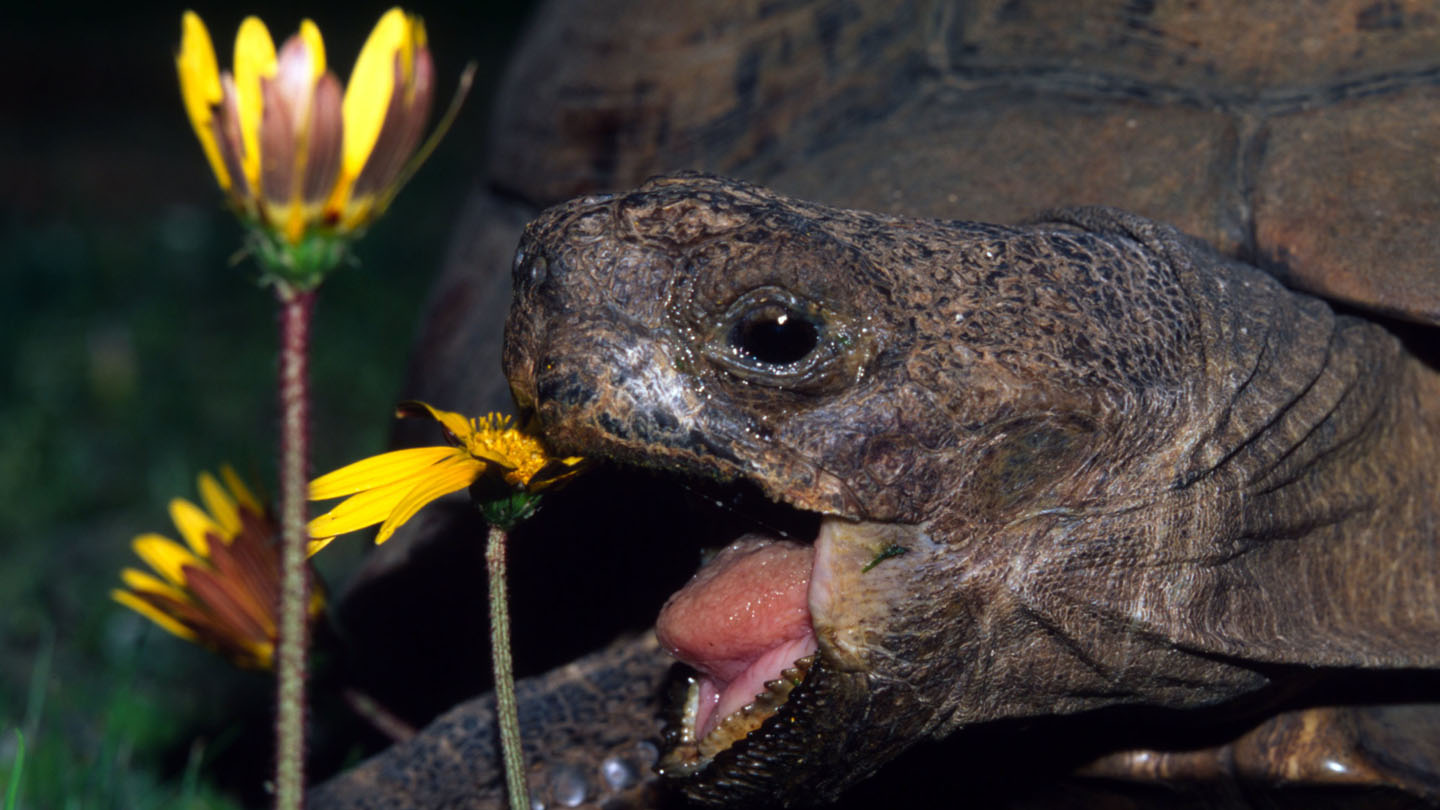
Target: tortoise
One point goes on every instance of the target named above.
(1090, 492)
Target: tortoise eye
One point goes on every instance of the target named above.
(774, 335)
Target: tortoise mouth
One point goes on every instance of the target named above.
(743, 630)
(690, 752)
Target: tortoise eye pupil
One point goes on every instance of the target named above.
(775, 336)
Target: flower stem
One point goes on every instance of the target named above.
(296, 307)
(380, 718)
(506, 711)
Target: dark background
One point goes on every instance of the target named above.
(136, 352)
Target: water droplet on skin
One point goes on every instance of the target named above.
(568, 787)
(619, 773)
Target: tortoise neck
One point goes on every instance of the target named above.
(1323, 459)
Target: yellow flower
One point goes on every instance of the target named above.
(390, 488)
(288, 150)
(222, 588)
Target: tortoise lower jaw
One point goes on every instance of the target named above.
(689, 753)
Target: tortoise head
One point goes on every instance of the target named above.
(1021, 443)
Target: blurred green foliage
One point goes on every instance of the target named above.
(135, 351)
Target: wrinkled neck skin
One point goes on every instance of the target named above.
(1273, 503)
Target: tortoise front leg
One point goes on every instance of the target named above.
(1386, 752)
(590, 729)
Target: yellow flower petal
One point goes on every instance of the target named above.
(367, 94)
(254, 59)
(463, 429)
(242, 493)
(200, 88)
(219, 503)
(444, 479)
(166, 556)
(194, 525)
(418, 40)
(315, 44)
(552, 472)
(358, 511)
(139, 581)
(147, 610)
(315, 544)
(378, 471)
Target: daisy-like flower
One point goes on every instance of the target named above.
(390, 488)
(295, 157)
(222, 588)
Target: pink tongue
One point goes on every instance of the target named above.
(740, 620)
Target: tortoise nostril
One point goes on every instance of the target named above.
(539, 270)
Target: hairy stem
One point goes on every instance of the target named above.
(506, 710)
(296, 307)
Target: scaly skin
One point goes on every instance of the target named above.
(1125, 469)
(581, 726)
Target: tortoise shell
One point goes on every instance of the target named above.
(1303, 138)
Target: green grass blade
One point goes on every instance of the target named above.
(39, 684)
(12, 793)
